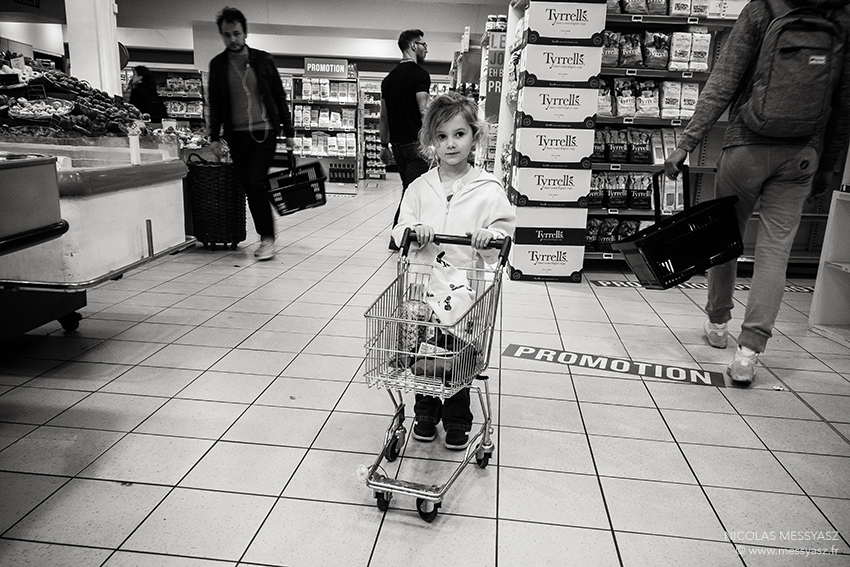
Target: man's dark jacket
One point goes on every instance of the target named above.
(271, 89)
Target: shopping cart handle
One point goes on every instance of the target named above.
(501, 244)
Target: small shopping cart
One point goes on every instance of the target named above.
(407, 351)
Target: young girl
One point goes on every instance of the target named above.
(457, 199)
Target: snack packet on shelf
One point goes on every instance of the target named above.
(646, 101)
(610, 48)
(656, 50)
(624, 94)
(680, 51)
(630, 51)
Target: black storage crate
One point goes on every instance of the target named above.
(675, 249)
(217, 201)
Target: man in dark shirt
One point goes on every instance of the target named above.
(246, 98)
(404, 98)
(779, 172)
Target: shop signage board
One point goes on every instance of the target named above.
(617, 365)
(495, 71)
(326, 68)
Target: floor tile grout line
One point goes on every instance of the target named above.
(702, 488)
(586, 434)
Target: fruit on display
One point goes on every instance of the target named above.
(82, 108)
(38, 109)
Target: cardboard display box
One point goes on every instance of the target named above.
(564, 23)
(553, 148)
(552, 66)
(549, 187)
(548, 244)
(556, 107)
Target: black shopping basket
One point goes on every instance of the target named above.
(217, 202)
(297, 188)
(675, 249)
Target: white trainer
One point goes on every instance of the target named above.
(265, 251)
(716, 333)
(742, 370)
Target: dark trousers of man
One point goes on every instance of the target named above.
(410, 165)
(251, 163)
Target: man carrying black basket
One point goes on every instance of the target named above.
(785, 71)
(246, 97)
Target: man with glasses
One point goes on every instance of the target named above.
(404, 98)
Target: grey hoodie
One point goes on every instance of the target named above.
(733, 71)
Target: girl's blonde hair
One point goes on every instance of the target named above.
(441, 110)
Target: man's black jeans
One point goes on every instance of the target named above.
(251, 163)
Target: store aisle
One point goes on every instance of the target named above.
(211, 411)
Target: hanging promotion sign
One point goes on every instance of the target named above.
(326, 68)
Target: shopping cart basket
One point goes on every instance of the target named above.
(408, 352)
(675, 249)
(297, 188)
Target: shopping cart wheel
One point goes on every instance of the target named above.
(483, 460)
(71, 321)
(383, 501)
(233, 245)
(393, 450)
(427, 510)
(396, 445)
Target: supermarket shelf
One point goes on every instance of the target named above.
(591, 255)
(629, 120)
(188, 116)
(644, 19)
(334, 102)
(624, 212)
(644, 168)
(324, 129)
(653, 73)
(191, 96)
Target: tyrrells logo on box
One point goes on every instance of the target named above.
(552, 142)
(556, 257)
(556, 16)
(555, 181)
(570, 60)
(568, 102)
(552, 235)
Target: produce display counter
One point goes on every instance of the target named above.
(120, 216)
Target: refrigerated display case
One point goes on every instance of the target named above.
(119, 217)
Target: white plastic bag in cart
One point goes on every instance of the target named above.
(449, 294)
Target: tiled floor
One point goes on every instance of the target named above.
(212, 411)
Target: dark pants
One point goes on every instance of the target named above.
(410, 166)
(251, 162)
(455, 410)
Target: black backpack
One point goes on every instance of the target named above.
(797, 70)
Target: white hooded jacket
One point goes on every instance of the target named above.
(481, 203)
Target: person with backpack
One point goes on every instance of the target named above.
(784, 75)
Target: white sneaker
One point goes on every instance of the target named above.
(742, 370)
(265, 251)
(716, 333)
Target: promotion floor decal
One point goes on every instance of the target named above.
(618, 365)
(695, 285)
